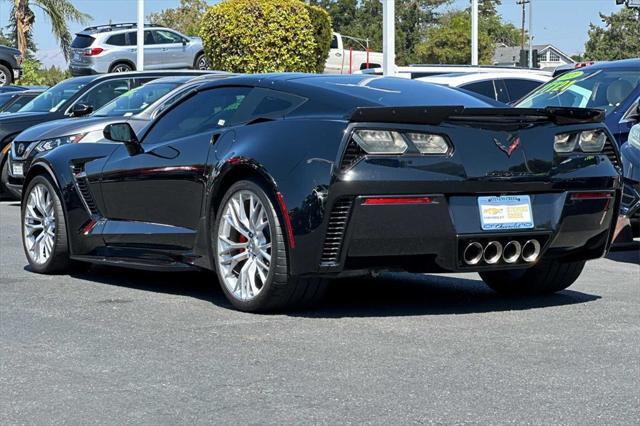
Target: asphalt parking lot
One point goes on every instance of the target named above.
(114, 346)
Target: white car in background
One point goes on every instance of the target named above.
(417, 70)
(341, 60)
(505, 87)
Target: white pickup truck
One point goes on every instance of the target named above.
(343, 60)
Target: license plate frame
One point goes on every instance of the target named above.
(505, 212)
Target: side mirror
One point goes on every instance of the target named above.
(78, 110)
(122, 132)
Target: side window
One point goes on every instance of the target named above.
(203, 112)
(481, 87)
(148, 38)
(166, 37)
(103, 93)
(22, 101)
(334, 42)
(518, 88)
(117, 40)
(270, 103)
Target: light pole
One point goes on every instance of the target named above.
(140, 54)
(530, 34)
(474, 32)
(388, 37)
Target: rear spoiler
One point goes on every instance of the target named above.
(437, 114)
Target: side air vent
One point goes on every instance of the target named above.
(82, 184)
(351, 155)
(610, 152)
(335, 231)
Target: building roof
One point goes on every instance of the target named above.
(507, 55)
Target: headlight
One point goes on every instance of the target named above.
(565, 142)
(634, 136)
(592, 141)
(380, 141)
(49, 144)
(429, 143)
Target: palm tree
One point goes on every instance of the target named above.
(58, 11)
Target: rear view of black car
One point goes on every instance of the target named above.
(280, 182)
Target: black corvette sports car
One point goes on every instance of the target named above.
(279, 182)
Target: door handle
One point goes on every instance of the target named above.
(338, 54)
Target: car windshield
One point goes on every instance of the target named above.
(603, 89)
(136, 100)
(53, 98)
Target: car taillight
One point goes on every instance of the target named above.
(93, 51)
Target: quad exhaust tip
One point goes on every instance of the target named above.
(472, 253)
(492, 252)
(511, 252)
(531, 251)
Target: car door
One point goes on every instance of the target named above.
(153, 59)
(335, 60)
(172, 49)
(160, 190)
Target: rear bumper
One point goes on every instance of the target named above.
(432, 237)
(78, 71)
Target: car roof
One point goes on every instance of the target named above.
(335, 93)
(407, 71)
(632, 64)
(456, 79)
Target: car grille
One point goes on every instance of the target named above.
(336, 231)
(352, 154)
(82, 183)
(20, 149)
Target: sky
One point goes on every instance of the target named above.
(563, 23)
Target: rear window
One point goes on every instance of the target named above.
(484, 88)
(81, 41)
(394, 91)
(117, 40)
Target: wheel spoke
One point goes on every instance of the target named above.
(39, 224)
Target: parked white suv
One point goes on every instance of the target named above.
(341, 60)
(113, 48)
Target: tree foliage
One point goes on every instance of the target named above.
(34, 74)
(57, 11)
(363, 19)
(184, 18)
(619, 39)
(265, 36)
(449, 41)
(322, 34)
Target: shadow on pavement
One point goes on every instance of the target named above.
(394, 294)
(630, 255)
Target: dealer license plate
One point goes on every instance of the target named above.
(17, 170)
(505, 212)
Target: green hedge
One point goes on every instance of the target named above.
(322, 34)
(254, 36)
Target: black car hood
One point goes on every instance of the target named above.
(18, 117)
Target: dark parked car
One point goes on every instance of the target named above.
(615, 88)
(136, 106)
(280, 181)
(14, 101)
(10, 65)
(74, 97)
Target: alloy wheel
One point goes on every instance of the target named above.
(39, 224)
(3, 79)
(244, 245)
(121, 68)
(202, 64)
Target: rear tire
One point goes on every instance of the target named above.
(51, 255)
(6, 76)
(546, 277)
(279, 291)
(121, 67)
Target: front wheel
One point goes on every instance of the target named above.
(6, 76)
(201, 63)
(248, 246)
(44, 233)
(544, 278)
